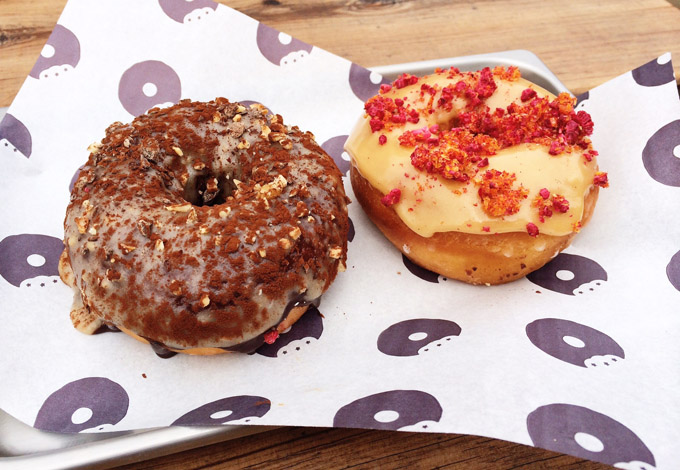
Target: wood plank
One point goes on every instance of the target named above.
(311, 449)
(585, 43)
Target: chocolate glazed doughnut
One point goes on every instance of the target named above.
(203, 227)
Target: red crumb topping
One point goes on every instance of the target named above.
(498, 196)
(456, 155)
(271, 336)
(547, 204)
(532, 229)
(405, 80)
(463, 147)
(601, 179)
(528, 94)
(391, 198)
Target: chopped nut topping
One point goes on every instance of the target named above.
(184, 207)
(178, 151)
(236, 118)
(260, 107)
(176, 287)
(203, 229)
(225, 212)
(262, 252)
(192, 218)
(265, 131)
(273, 189)
(183, 178)
(160, 246)
(199, 166)
(310, 219)
(126, 143)
(295, 233)
(276, 136)
(92, 231)
(144, 227)
(82, 223)
(241, 109)
(335, 252)
(126, 248)
(284, 243)
(94, 147)
(216, 117)
(244, 144)
(211, 185)
(205, 300)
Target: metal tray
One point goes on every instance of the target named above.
(24, 447)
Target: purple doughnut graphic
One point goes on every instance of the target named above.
(28, 256)
(654, 73)
(181, 10)
(148, 84)
(279, 48)
(61, 51)
(574, 343)
(248, 103)
(350, 232)
(84, 404)
(335, 148)
(365, 83)
(673, 270)
(309, 327)
(584, 433)
(14, 133)
(661, 155)
(566, 273)
(409, 337)
(226, 410)
(74, 178)
(389, 410)
(422, 273)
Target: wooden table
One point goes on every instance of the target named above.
(584, 42)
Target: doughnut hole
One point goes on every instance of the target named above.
(208, 189)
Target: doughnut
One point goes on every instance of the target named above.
(570, 429)
(409, 337)
(377, 411)
(588, 347)
(226, 410)
(163, 84)
(479, 176)
(60, 54)
(568, 274)
(202, 228)
(107, 401)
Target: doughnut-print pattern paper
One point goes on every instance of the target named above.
(579, 357)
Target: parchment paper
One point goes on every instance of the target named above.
(581, 357)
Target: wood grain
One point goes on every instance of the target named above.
(314, 448)
(584, 42)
